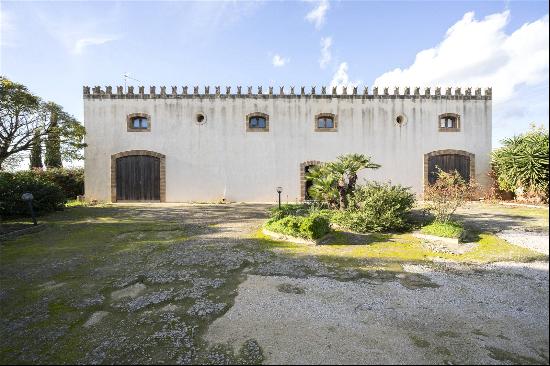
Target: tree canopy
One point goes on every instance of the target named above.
(24, 118)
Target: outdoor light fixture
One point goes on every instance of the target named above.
(279, 191)
(28, 197)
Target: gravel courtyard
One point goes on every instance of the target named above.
(184, 284)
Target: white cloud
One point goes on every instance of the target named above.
(326, 55)
(479, 53)
(341, 78)
(279, 61)
(81, 44)
(318, 14)
(76, 33)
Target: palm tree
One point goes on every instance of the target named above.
(323, 188)
(352, 164)
(334, 181)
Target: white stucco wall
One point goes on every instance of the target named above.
(221, 159)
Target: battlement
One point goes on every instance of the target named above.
(323, 92)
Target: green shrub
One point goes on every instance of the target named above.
(327, 214)
(277, 213)
(71, 181)
(448, 229)
(308, 227)
(377, 207)
(47, 195)
(314, 226)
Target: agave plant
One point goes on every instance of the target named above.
(522, 163)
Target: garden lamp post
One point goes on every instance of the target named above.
(28, 197)
(279, 191)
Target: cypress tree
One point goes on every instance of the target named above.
(36, 151)
(53, 143)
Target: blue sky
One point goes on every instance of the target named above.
(56, 47)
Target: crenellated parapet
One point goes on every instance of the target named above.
(350, 92)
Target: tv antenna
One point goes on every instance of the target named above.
(126, 77)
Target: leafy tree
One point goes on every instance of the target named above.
(22, 113)
(36, 151)
(335, 181)
(521, 164)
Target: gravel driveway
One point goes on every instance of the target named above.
(472, 316)
(182, 284)
(518, 225)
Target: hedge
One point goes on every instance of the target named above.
(47, 195)
(71, 181)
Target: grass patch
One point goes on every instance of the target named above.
(76, 203)
(444, 229)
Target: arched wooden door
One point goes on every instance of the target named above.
(138, 178)
(448, 163)
(308, 183)
(305, 183)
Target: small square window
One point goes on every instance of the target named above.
(449, 122)
(258, 122)
(321, 123)
(138, 122)
(325, 122)
(261, 122)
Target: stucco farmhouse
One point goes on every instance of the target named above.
(207, 145)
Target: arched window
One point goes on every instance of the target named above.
(257, 122)
(139, 122)
(325, 122)
(449, 122)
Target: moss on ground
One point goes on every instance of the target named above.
(53, 281)
(401, 248)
